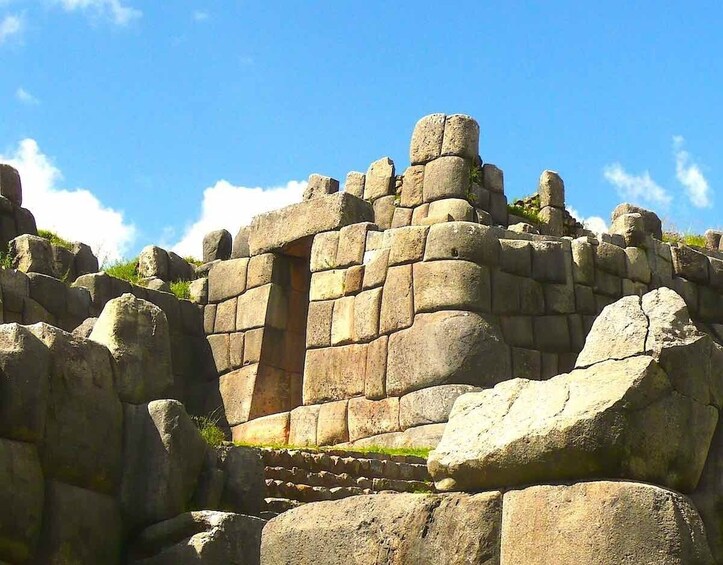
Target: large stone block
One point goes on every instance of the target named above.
(551, 189)
(461, 136)
(372, 417)
(267, 430)
(354, 184)
(277, 230)
(430, 405)
(335, 373)
(388, 528)
(50, 293)
(601, 522)
(84, 425)
(320, 185)
(384, 209)
(375, 379)
(464, 240)
(263, 306)
(79, 526)
(332, 426)
(690, 264)
(154, 262)
(200, 537)
(227, 279)
(412, 189)
(352, 240)
(326, 285)
(137, 335)
(302, 425)
(163, 456)
(10, 184)
(21, 500)
(25, 368)
(397, 310)
(240, 246)
(446, 348)
(407, 244)
(379, 180)
(451, 285)
(342, 323)
(446, 177)
(32, 254)
(426, 144)
(254, 391)
(217, 245)
(323, 251)
(651, 221)
(367, 306)
(560, 430)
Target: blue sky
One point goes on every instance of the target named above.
(151, 122)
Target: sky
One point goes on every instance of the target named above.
(135, 122)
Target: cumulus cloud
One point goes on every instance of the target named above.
(593, 223)
(227, 206)
(118, 12)
(75, 214)
(25, 97)
(636, 188)
(690, 176)
(10, 25)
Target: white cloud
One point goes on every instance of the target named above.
(200, 15)
(116, 10)
(25, 97)
(10, 25)
(593, 223)
(230, 207)
(75, 214)
(690, 176)
(638, 188)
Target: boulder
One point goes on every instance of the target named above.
(240, 246)
(426, 143)
(393, 529)
(461, 136)
(163, 456)
(85, 328)
(447, 347)
(25, 369)
(179, 269)
(631, 227)
(601, 522)
(651, 221)
(430, 405)
(379, 180)
(617, 419)
(84, 424)
(320, 185)
(244, 487)
(79, 526)
(21, 500)
(217, 245)
(85, 261)
(136, 333)
(10, 184)
(200, 537)
(153, 262)
(551, 189)
(34, 254)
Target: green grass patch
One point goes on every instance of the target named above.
(182, 289)
(475, 175)
(532, 216)
(689, 239)
(208, 426)
(55, 239)
(124, 270)
(193, 261)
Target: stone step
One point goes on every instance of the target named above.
(278, 505)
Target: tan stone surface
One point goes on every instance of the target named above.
(451, 285)
(430, 405)
(272, 429)
(376, 369)
(446, 177)
(367, 305)
(355, 183)
(464, 240)
(302, 425)
(220, 352)
(225, 320)
(372, 417)
(601, 522)
(397, 310)
(412, 194)
(461, 136)
(262, 306)
(456, 208)
(353, 280)
(427, 136)
(352, 240)
(318, 329)
(227, 279)
(327, 285)
(384, 209)
(323, 251)
(332, 427)
(379, 179)
(334, 373)
(375, 268)
(342, 324)
(407, 244)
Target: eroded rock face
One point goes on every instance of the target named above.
(390, 529)
(201, 537)
(601, 522)
(136, 333)
(626, 413)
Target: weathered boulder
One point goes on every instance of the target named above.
(85, 328)
(430, 405)
(179, 269)
(244, 487)
(601, 522)
(163, 456)
(616, 419)
(620, 417)
(85, 261)
(651, 221)
(391, 529)
(34, 254)
(551, 189)
(468, 347)
(84, 427)
(10, 184)
(320, 185)
(426, 143)
(217, 245)
(214, 538)
(21, 500)
(240, 247)
(25, 369)
(136, 333)
(153, 262)
(79, 526)
(632, 227)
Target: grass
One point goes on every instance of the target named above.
(182, 289)
(532, 216)
(6, 260)
(193, 261)
(689, 239)
(124, 270)
(413, 451)
(208, 426)
(475, 175)
(55, 239)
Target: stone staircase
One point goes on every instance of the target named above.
(298, 476)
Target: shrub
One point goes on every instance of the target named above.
(182, 289)
(193, 261)
(55, 239)
(529, 214)
(689, 239)
(208, 426)
(124, 270)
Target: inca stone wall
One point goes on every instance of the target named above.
(433, 298)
